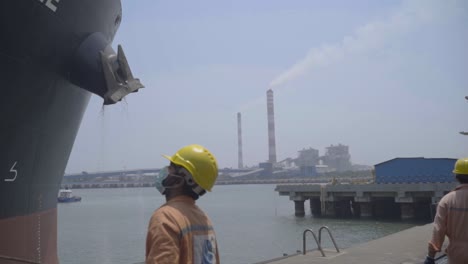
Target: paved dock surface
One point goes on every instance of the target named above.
(405, 247)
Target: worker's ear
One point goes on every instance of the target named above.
(179, 182)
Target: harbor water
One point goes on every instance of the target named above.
(252, 223)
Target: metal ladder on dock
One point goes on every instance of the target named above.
(318, 241)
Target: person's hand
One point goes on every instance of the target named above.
(429, 260)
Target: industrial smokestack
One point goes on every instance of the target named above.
(271, 127)
(239, 140)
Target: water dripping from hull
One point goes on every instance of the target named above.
(102, 138)
(106, 131)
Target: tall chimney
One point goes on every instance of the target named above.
(271, 127)
(239, 140)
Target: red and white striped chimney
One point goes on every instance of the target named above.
(271, 127)
(239, 140)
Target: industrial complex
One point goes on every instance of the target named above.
(308, 162)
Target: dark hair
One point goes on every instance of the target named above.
(462, 178)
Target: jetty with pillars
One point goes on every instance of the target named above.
(403, 188)
(404, 200)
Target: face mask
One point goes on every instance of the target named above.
(162, 176)
(158, 181)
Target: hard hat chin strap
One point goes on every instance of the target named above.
(199, 190)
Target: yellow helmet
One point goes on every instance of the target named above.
(199, 162)
(461, 166)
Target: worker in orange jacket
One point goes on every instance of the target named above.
(451, 220)
(179, 231)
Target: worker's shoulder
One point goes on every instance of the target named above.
(448, 196)
(165, 215)
(453, 195)
(166, 211)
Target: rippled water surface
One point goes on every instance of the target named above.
(252, 223)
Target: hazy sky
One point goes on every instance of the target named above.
(387, 78)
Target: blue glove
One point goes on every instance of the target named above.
(429, 260)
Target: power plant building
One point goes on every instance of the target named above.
(337, 157)
(307, 160)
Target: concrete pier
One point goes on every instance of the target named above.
(404, 201)
(408, 246)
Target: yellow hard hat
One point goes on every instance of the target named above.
(199, 162)
(461, 166)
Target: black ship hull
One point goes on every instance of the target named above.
(52, 56)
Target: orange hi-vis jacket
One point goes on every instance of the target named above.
(180, 232)
(451, 220)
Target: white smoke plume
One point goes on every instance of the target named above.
(410, 16)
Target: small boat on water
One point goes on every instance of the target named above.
(65, 196)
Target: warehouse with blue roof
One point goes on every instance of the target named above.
(415, 170)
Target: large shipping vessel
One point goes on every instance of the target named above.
(53, 55)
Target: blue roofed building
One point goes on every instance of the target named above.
(415, 170)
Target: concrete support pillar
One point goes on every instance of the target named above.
(299, 210)
(315, 207)
(365, 210)
(329, 209)
(407, 211)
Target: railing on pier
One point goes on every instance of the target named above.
(329, 233)
(318, 241)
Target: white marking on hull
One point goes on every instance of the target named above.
(51, 4)
(14, 171)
